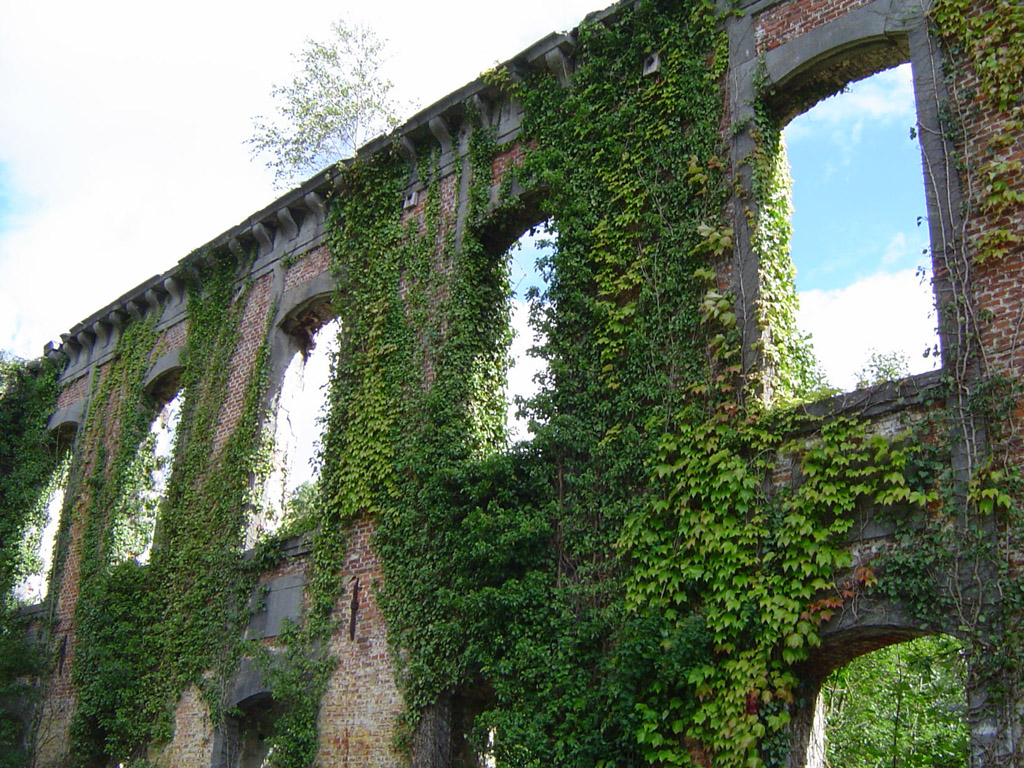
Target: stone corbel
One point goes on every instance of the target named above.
(315, 205)
(116, 320)
(155, 299)
(484, 108)
(559, 66)
(235, 246)
(116, 317)
(72, 348)
(134, 308)
(410, 150)
(56, 356)
(439, 128)
(263, 237)
(288, 226)
(175, 288)
(86, 343)
(101, 329)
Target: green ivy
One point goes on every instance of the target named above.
(633, 584)
(146, 633)
(28, 465)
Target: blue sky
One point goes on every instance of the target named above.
(858, 187)
(859, 233)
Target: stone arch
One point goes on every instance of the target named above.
(139, 511)
(444, 733)
(877, 625)
(241, 739)
(163, 380)
(65, 423)
(302, 311)
(500, 230)
(823, 60)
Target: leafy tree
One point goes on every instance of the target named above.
(337, 102)
(883, 366)
(900, 707)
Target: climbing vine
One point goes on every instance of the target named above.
(505, 571)
(28, 463)
(635, 559)
(28, 460)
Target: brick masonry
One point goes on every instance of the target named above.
(251, 332)
(359, 710)
(74, 392)
(313, 264)
(193, 735)
(784, 22)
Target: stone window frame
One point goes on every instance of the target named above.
(797, 73)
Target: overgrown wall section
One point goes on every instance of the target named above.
(667, 571)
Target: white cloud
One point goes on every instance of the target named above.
(896, 249)
(886, 98)
(885, 312)
(524, 368)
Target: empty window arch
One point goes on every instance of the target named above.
(527, 259)
(300, 407)
(135, 520)
(41, 537)
(860, 237)
(902, 705)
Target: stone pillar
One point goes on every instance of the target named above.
(807, 729)
(995, 713)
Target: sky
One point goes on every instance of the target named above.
(123, 129)
(860, 234)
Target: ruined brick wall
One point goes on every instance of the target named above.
(993, 152)
(363, 703)
(359, 711)
(193, 734)
(312, 265)
(251, 333)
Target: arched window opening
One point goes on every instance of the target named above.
(41, 537)
(251, 734)
(902, 705)
(145, 487)
(528, 259)
(456, 731)
(860, 239)
(291, 489)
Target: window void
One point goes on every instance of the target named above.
(290, 490)
(146, 486)
(41, 537)
(250, 734)
(903, 705)
(528, 258)
(860, 236)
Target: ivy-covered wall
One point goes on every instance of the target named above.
(693, 537)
